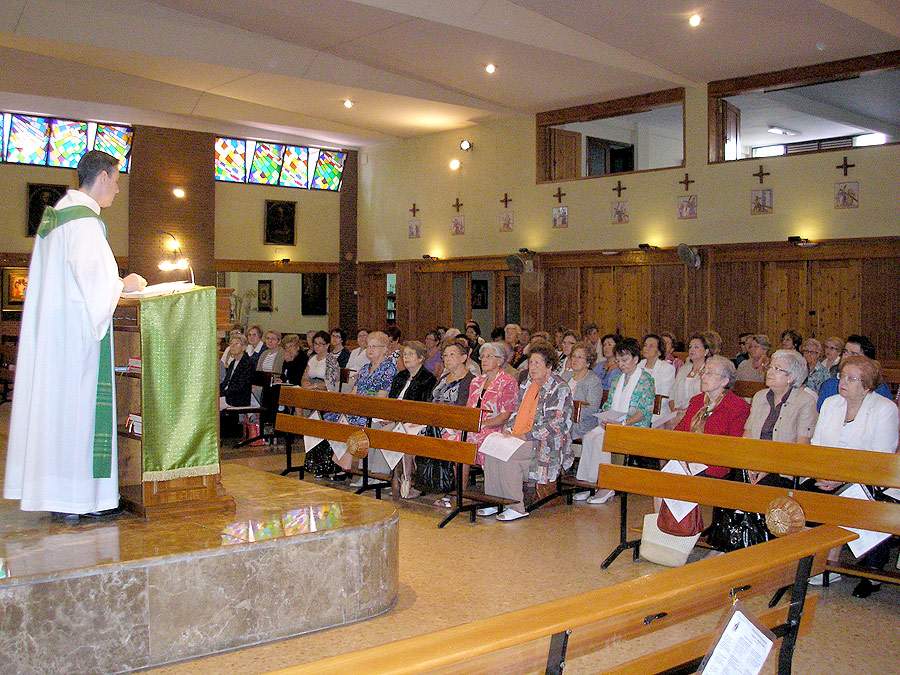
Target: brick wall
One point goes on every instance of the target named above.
(163, 159)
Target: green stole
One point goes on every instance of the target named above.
(103, 421)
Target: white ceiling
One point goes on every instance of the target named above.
(280, 69)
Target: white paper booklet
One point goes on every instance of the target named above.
(678, 508)
(166, 288)
(614, 416)
(500, 446)
(867, 539)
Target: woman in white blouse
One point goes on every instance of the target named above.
(687, 381)
(654, 362)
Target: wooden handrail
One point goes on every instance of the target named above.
(621, 605)
(851, 466)
(422, 446)
(457, 417)
(818, 508)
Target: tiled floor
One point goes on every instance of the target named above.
(466, 572)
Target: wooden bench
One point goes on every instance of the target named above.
(7, 370)
(746, 389)
(434, 414)
(891, 377)
(546, 636)
(793, 459)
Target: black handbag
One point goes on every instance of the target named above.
(434, 475)
(732, 530)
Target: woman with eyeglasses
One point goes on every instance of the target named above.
(687, 380)
(818, 373)
(569, 340)
(632, 394)
(754, 368)
(859, 418)
(832, 354)
(784, 411)
(318, 375)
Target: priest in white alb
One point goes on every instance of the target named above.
(62, 439)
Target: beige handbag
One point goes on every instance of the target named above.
(664, 549)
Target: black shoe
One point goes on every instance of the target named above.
(865, 588)
(67, 518)
(105, 514)
(338, 477)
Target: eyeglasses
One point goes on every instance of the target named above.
(319, 343)
(847, 352)
(377, 345)
(833, 348)
(850, 378)
(779, 370)
(711, 372)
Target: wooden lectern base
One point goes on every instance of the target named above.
(180, 496)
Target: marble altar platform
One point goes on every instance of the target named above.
(121, 594)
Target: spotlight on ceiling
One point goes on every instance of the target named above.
(455, 164)
(490, 69)
(178, 192)
(348, 103)
(465, 145)
(695, 20)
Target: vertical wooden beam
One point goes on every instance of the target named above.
(348, 282)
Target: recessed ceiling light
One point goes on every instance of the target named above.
(454, 164)
(490, 69)
(781, 131)
(465, 145)
(178, 192)
(348, 103)
(695, 20)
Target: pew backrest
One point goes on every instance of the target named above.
(746, 388)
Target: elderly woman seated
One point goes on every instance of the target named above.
(543, 423)
(818, 372)
(687, 380)
(234, 390)
(754, 368)
(271, 357)
(630, 402)
(791, 339)
(494, 391)
(784, 411)
(606, 368)
(859, 418)
(586, 388)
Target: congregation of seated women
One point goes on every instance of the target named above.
(526, 383)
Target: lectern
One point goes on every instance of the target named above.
(165, 359)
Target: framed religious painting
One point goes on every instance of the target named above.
(15, 283)
(40, 196)
(264, 300)
(314, 294)
(479, 294)
(280, 222)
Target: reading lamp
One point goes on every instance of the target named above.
(176, 261)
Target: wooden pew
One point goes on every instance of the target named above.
(793, 459)
(7, 370)
(435, 414)
(545, 636)
(746, 389)
(891, 376)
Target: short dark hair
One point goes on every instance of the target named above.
(546, 350)
(629, 346)
(615, 337)
(497, 334)
(868, 349)
(339, 331)
(322, 335)
(796, 338)
(93, 164)
(660, 345)
(474, 325)
(393, 333)
(588, 327)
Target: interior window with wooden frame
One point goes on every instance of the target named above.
(625, 135)
(828, 106)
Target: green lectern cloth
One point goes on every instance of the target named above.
(180, 400)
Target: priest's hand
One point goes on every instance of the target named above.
(134, 282)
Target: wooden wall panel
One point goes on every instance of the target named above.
(736, 295)
(598, 298)
(697, 305)
(533, 300)
(785, 296)
(668, 288)
(633, 300)
(881, 319)
(432, 303)
(372, 300)
(835, 297)
(562, 298)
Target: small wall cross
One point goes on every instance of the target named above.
(457, 205)
(761, 174)
(844, 165)
(505, 201)
(414, 210)
(559, 195)
(618, 189)
(686, 182)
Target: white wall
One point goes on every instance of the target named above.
(286, 316)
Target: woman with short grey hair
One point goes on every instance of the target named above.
(784, 411)
(754, 368)
(814, 354)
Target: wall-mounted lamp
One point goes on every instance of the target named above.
(176, 260)
(430, 258)
(802, 242)
(609, 252)
(465, 145)
(527, 251)
(178, 192)
(648, 247)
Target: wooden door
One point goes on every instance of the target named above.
(785, 298)
(835, 298)
(633, 300)
(372, 301)
(731, 130)
(598, 298)
(736, 302)
(432, 303)
(565, 154)
(668, 288)
(562, 298)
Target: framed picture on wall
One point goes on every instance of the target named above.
(40, 196)
(280, 222)
(314, 294)
(15, 282)
(264, 299)
(479, 294)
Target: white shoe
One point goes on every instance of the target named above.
(581, 496)
(602, 497)
(819, 579)
(356, 482)
(511, 514)
(487, 511)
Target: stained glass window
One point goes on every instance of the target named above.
(28, 137)
(68, 142)
(266, 165)
(295, 168)
(231, 161)
(116, 141)
(329, 170)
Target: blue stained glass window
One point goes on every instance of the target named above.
(28, 139)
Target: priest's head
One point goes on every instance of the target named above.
(98, 177)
